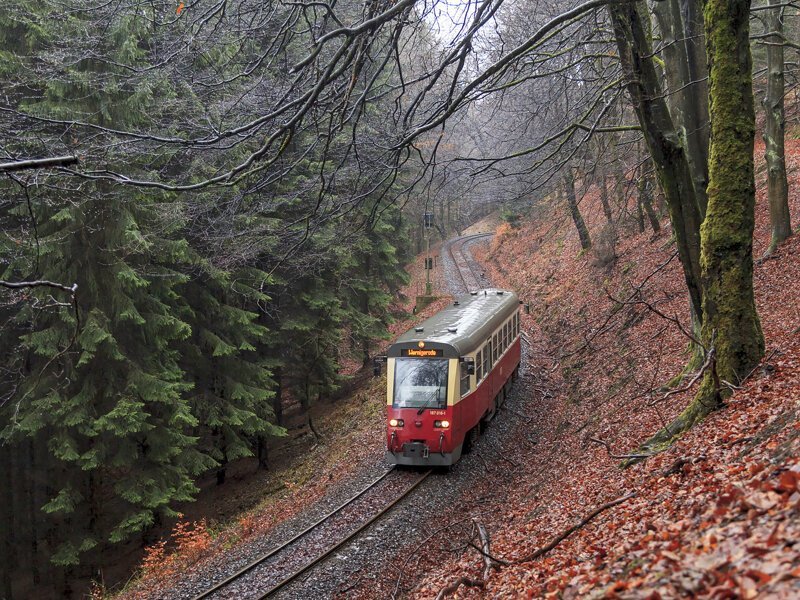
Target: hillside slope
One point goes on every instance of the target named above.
(717, 513)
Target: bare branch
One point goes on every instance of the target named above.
(38, 163)
(619, 456)
(17, 285)
(565, 534)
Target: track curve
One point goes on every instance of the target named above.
(468, 270)
(271, 572)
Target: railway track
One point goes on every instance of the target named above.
(271, 572)
(274, 570)
(468, 269)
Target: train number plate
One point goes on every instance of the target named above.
(438, 413)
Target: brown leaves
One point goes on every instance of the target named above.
(721, 526)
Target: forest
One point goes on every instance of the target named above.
(208, 209)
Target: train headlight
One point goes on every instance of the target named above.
(441, 424)
(396, 422)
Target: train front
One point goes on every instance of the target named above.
(421, 381)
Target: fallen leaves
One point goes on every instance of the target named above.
(718, 515)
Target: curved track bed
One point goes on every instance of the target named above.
(465, 273)
(271, 572)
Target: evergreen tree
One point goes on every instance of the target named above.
(232, 383)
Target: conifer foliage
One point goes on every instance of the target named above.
(194, 314)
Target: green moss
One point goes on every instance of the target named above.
(730, 320)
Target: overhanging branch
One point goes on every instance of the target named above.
(38, 163)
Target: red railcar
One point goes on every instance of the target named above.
(448, 376)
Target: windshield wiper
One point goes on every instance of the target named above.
(433, 395)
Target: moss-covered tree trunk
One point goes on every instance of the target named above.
(774, 130)
(727, 234)
(730, 320)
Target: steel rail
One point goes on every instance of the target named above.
(251, 565)
(463, 265)
(277, 587)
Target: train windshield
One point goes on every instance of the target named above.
(420, 383)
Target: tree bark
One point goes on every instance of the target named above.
(7, 535)
(646, 196)
(639, 208)
(569, 191)
(663, 140)
(277, 399)
(774, 130)
(729, 310)
(681, 26)
(601, 181)
(731, 328)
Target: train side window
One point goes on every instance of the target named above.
(516, 324)
(505, 336)
(479, 366)
(487, 355)
(464, 380)
(494, 349)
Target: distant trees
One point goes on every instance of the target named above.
(574, 211)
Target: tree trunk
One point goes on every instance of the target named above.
(774, 131)
(277, 399)
(262, 452)
(642, 184)
(601, 182)
(663, 141)
(569, 191)
(729, 310)
(34, 514)
(680, 23)
(730, 320)
(7, 529)
(646, 196)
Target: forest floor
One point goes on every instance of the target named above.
(715, 515)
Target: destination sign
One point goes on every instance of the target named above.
(421, 352)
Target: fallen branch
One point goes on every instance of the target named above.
(710, 356)
(415, 553)
(453, 586)
(493, 558)
(565, 534)
(488, 563)
(619, 456)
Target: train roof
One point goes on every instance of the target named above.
(463, 326)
